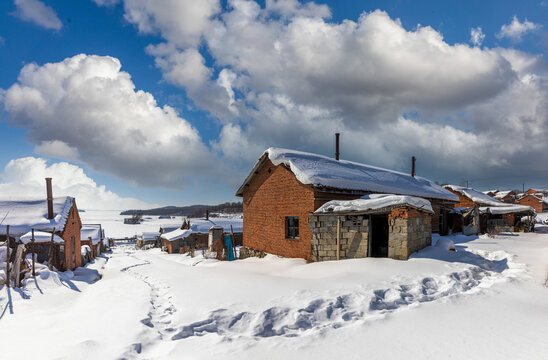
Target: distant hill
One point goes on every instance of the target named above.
(191, 211)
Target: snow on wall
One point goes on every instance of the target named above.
(23, 216)
(374, 202)
(476, 196)
(321, 170)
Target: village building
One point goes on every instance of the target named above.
(56, 219)
(196, 236)
(148, 239)
(92, 236)
(376, 225)
(487, 214)
(540, 204)
(506, 196)
(285, 187)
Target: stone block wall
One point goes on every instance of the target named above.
(353, 239)
(409, 230)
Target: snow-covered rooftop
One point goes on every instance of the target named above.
(375, 202)
(93, 231)
(23, 216)
(502, 194)
(321, 170)
(476, 196)
(507, 209)
(177, 234)
(40, 237)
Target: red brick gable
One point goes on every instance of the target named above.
(534, 202)
(73, 257)
(272, 194)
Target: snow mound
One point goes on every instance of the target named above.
(40, 237)
(375, 201)
(446, 244)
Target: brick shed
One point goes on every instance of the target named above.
(286, 186)
(23, 216)
(391, 226)
(493, 214)
(539, 204)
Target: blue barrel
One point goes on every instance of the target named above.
(229, 250)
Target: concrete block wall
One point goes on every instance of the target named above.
(353, 240)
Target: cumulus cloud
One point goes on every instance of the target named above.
(106, 2)
(56, 148)
(87, 103)
(37, 12)
(516, 29)
(476, 36)
(26, 176)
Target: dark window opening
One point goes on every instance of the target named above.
(292, 227)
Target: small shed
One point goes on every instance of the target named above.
(376, 225)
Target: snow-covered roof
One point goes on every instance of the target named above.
(476, 196)
(507, 209)
(177, 234)
(150, 235)
(23, 216)
(375, 202)
(502, 194)
(322, 171)
(490, 191)
(40, 237)
(93, 231)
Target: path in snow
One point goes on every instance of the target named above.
(160, 316)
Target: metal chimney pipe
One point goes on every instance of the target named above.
(337, 135)
(207, 214)
(413, 166)
(49, 198)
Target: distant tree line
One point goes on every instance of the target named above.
(190, 211)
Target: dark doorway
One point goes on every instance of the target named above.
(379, 236)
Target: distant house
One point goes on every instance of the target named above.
(197, 235)
(148, 239)
(506, 196)
(540, 204)
(492, 213)
(92, 235)
(285, 187)
(63, 221)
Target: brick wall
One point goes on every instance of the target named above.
(273, 194)
(72, 228)
(533, 202)
(464, 201)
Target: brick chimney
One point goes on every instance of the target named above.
(50, 198)
(337, 135)
(413, 166)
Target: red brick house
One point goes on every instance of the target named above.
(64, 219)
(539, 204)
(286, 186)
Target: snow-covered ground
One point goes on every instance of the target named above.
(486, 300)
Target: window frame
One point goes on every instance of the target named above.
(292, 226)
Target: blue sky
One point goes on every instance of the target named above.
(103, 30)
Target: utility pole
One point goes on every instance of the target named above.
(466, 183)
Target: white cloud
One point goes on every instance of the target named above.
(56, 148)
(476, 36)
(37, 12)
(516, 29)
(182, 22)
(106, 2)
(87, 103)
(26, 176)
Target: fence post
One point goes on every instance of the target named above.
(8, 256)
(32, 253)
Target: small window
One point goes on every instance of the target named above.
(292, 227)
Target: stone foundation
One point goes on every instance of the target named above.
(246, 252)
